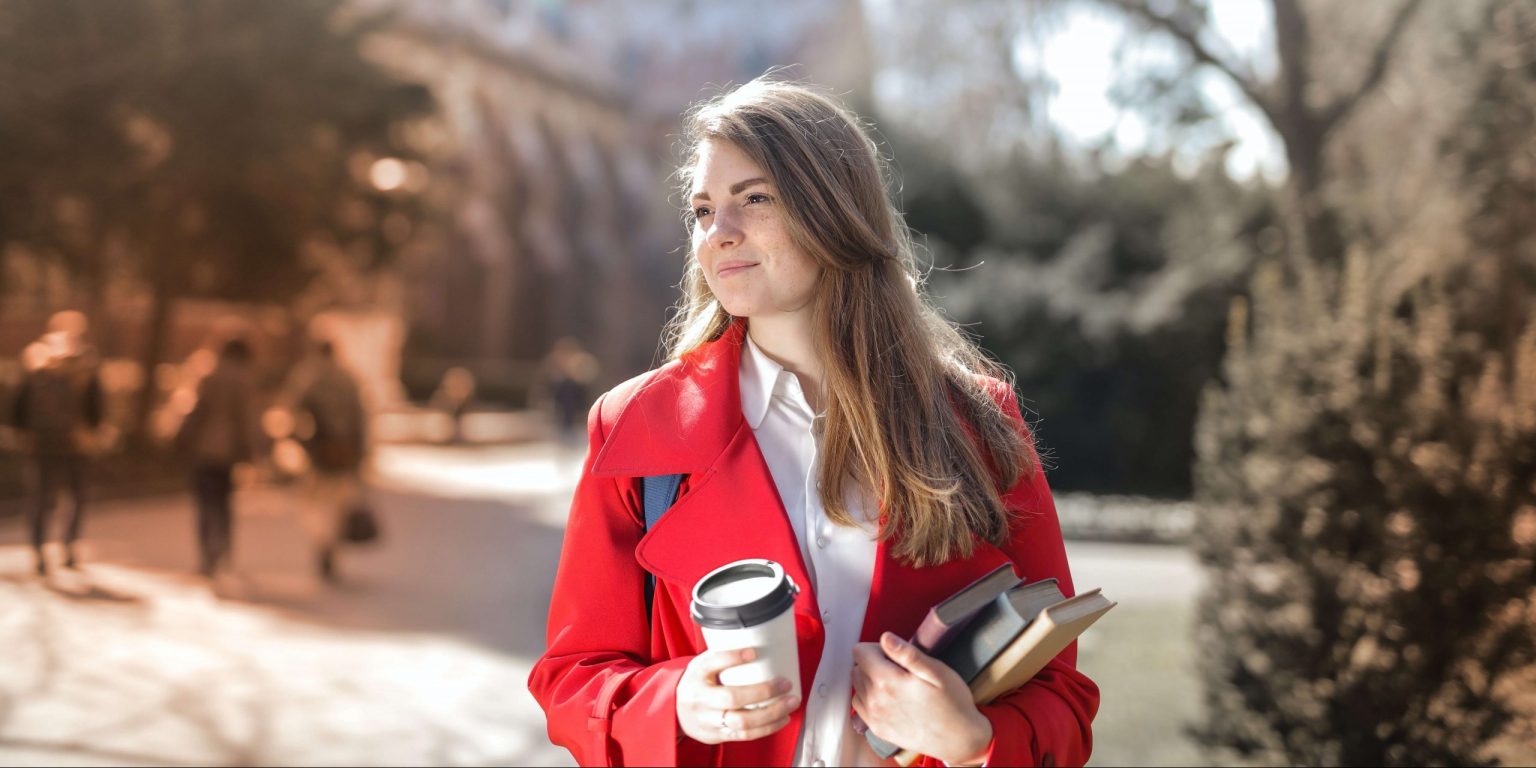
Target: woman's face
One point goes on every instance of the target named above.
(741, 240)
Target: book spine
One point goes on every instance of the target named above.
(993, 629)
(931, 633)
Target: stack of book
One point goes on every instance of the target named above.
(997, 633)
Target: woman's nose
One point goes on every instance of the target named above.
(723, 232)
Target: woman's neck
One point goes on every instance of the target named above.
(788, 341)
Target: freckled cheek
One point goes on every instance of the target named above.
(806, 276)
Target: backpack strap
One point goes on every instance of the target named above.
(659, 492)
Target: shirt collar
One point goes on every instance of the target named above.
(761, 380)
(759, 377)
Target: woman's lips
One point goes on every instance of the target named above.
(732, 268)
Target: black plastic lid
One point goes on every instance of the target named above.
(780, 598)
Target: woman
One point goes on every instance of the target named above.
(824, 417)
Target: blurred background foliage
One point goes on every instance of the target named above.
(1360, 432)
(195, 149)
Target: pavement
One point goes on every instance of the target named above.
(419, 657)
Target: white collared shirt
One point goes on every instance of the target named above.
(840, 559)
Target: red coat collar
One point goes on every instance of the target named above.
(679, 418)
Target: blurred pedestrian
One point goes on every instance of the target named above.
(222, 430)
(337, 447)
(59, 408)
(454, 396)
(569, 372)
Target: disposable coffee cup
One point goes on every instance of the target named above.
(750, 604)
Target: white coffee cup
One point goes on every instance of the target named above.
(750, 604)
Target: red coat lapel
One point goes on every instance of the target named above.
(679, 418)
(686, 418)
(732, 511)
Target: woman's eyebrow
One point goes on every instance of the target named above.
(735, 188)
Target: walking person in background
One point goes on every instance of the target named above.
(59, 409)
(454, 396)
(569, 371)
(337, 447)
(824, 416)
(223, 429)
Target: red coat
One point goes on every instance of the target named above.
(608, 680)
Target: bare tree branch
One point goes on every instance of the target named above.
(1190, 38)
(1293, 46)
(1345, 104)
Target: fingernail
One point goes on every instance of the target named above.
(781, 685)
(794, 703)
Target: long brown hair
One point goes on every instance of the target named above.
(908, 406)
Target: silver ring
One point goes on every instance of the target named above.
(723, 726)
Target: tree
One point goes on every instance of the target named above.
(1304, 109)
(212, 138)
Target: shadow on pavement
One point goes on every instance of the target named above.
(84, 587)
(418, 656)
(74, 585)
(478, 569)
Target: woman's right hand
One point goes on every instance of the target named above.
(713, 713)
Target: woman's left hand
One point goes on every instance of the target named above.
(917, 702)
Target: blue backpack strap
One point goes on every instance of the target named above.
(659, 492)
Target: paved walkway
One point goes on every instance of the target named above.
(421, 657)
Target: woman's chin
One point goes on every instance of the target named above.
(739, 308)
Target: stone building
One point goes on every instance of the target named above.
(562, 120)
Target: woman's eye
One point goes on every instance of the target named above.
(700, 212)
(757, 197)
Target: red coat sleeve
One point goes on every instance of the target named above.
(604, 698)
(1049, 720)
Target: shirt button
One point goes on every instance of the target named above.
(821, 690)
(820, 764)
(826, 613)
(821, 542)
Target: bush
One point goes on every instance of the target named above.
(1368, 474)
